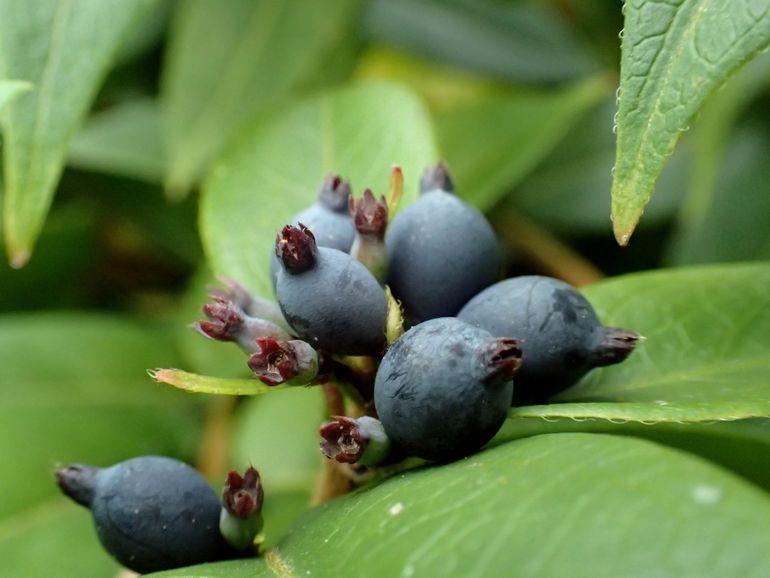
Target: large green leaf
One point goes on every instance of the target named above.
(74, 389)
(492, 144)
(227, 60)
(276, 167)
(704, 355)
(123, 140)
(674, 55)
(551, 505)
(734, 445)
(64, 48)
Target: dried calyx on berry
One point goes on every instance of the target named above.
(436, 178)
(227, 321)
(277, 362)
(296, 248)
(370, 218)
(240, 520)
(355, 440)
(334, 193)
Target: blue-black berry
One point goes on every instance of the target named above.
(444, 387)
(327, 218)
(559, 332)
(441, 251)
(329, 298)
(151, 513)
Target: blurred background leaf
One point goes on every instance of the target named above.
(47, 43)
(226, 61)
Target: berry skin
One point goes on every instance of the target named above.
(328, 218)
(330, 299)
(444, 387)
(151, 513)
(441, 251)
(559, 332)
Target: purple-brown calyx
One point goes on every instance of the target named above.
(334, 193)
(343, 440)
(370, 216)
(296, 248)
(614, 346)
(225, 320)
(502, 359)
(436, 178)
(275, 361)
(243, 496)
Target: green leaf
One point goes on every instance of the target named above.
(206, 384)
(64, 48)
(75, 390)
(226, 62)
(492, 144)
(519, 42)
(123, 140)
(734, 445)
(254, 568)
(551, 505)
(10, 90)
(276, 166)
(705, 350)
(674, 55)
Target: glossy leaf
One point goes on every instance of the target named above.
(226, 61)
(734, 445)
(124, 140)
(674, 55)
(276, 167)
(705, 350)
(492, 144)
(64, 48)
(519, 42)
(206, 384)
(75, 390)
(551, 505)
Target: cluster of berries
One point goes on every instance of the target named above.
(347, 278)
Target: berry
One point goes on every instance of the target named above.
(328, 219)
(151, 513)
(558, 329)
(330, 299)
(441, 251)
(444, 387)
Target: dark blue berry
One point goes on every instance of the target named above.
(444, 387)
(559, 332)
(330, 299)
(328, 218)
(441, 251)
(151, 513)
